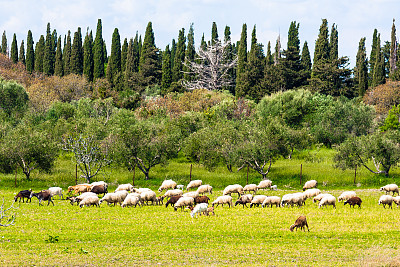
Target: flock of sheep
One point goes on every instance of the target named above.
(126, 195)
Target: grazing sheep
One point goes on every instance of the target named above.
(148, 196)
(274, 187)
(223, 200)
(90, 201)
(184, 202)
(201, 199)
(80, 188)
(56, 191)
(99, 189)
(180, 186)
(250, 187)
(124, 187)
(194, 184)
(309, 193)
(243, 200)
(300, 223)
(202, 207)
(130, 200)
(346, 195)
(160, 200)
(257, 200)
(79, 198)
(167, 184)
(354, 201)
(264, 184)
(22, 195)
(319, 197)
(173, 192)
(210, 210)
(297, 199)
(100, 183)
(43, 195)
(328, 200)
(386, 200)
(396, 200)
(390, 188)
(206, 188)
(273, 200)
(235, 188)
(285, 199)
(112, 198)
(140, 190)
(310, 184)
(172, 200)
(193, 194)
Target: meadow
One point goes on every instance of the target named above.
(65, 235)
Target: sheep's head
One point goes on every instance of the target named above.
(292, 227)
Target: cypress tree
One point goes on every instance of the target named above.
(140, 45)
(124, 51)
(21, 57)
(255, 68)
(39, 53)
(4, 47)
(229, 56)
(67, 55)
(166, 78)
(48, 59)
(189, 54)
(136, 53)
(88, 57)
(173, 52)
(179, 57)
(321, 52)
(277, 53)
(306, 60)
(214, 33)
(240, 89)
(114, 61)
(203, 44)
(14, 49)
(105, 52)
(30, 54)
(361, 70)
(77, 53)
(269, 60)
(372, 57)
(295, 75)
(393, 50)
(334, 44)
(130, 67)
(59, 64)
(98, 52)
(378, 76)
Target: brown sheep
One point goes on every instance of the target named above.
(172, 200)
(99, 189)
(201, 199)
(300, 223)
(354, 201)
(80, 188)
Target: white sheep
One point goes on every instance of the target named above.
(112, 198)
(396, 200)
(285, 199)
(131, 199)
(272, 200)
(126, 187)
(184, 202)
(148, 196)
(235, 188)
(140, 190)
(223, 200)
(90, 201)
(250, 187)
(194, 184)
(56, 191)
(180, 186)
(205, 188)
(257, 200)
(173, 192)
(319, 197)
(192, 194)
(390, 188)
(346, 195)
(297, 199)
(264, 184)
(328, 200)
(309, 193)
(310, 184)
(386, 200)
(167, 184)
(202, 207)
(123, 194)
(274, 187)
(83, 196)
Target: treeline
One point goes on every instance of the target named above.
(135, 65)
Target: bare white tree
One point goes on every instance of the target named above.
(211, 68)
(9, 219)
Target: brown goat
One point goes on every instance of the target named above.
(354, 201)
(300, 223)
(43, 195)
(22, 195)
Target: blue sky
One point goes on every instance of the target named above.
(354, 19)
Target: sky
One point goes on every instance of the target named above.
(354, 19)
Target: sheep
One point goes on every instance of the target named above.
(250, 187)
(167, 184)
(140, 190)
(319, 197)
(99, 189)
(243, 200)
(257, 200)
(126, 187)
(274, 187)
(210, 210)
(148, 196)
(22, 195)
(180, 186)
(310, 184)
(309, 193)
(202, 207)
(285, 199)
(328, 200)
(390, 188)
(396, 200)
(93, 184)
(206, 188)
(297, 199)
(56, 191)
(123, 194)
(346, 195)
(386, 200)
(193, 194)
(112, 198)
(201, 199)
(173, 192)
(160, 200)
(90, 201)
(43, 195)
(264, 184)
(194, 184)
(354, 201)
(172, 200)
(273, 200)
(235, 188)
(130, 200)
(223, 200)
(183, 202)
(80, 188)
(300, 223)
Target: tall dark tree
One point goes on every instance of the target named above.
(378, 76)
(98, 52)
(190, 53)
(214, 33)
(372, 57)
(67, 55)
(136, 53)
(30, 53)
(14, 49)
(114, 61)
(393, 51)
(334, 43)
(124, 51)
(361, 69)
(130, 68)
(77, 53)
(229, 56)
(39, 53)
(4, 46)
(59, 64)
(240, 89)
(88, 56)
(321, 52)
(203, 44)
(177, 70)
(173, 52)
(21, 57)
(49, 56)
(306, 60)
(269, 60)
(166, 78)
(278, 53)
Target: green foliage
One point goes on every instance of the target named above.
(59, 64)
(67, 55)
(177, 69)
(98, 52)
(49, 53)
(30, 54)
(392, 119)
(76, 61)
(166, 77)
(52, 239)
(240, 89)
(39, 54)
(88, 57)
(114, 61)
(14, 49)
(361, 70)
(13, 98)
(4, 46)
